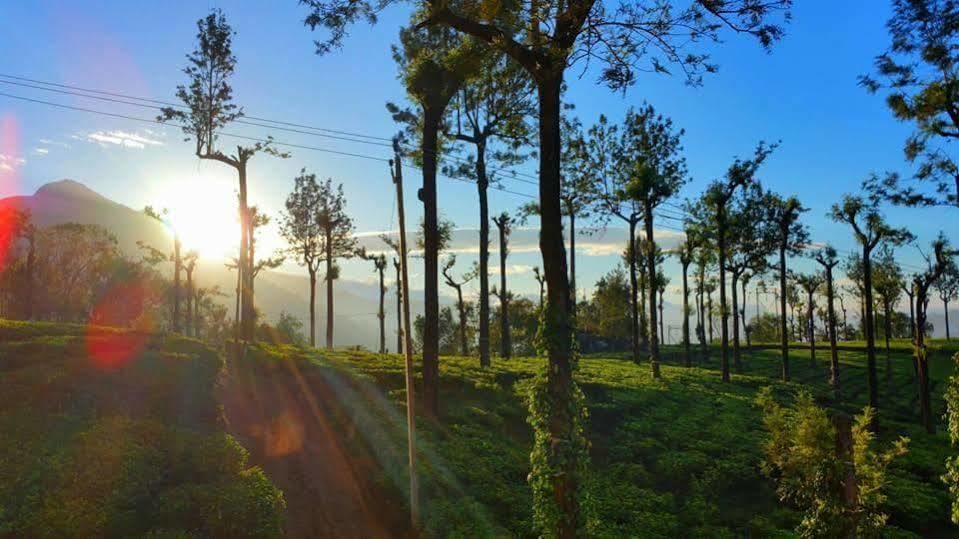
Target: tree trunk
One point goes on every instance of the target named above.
(850, 488)
(188, 328)
(633, 292)
(922, 368)
(312, 307)
(177, 266)
(723, 313)
(742, 313)
(811, 330)
(236, 313)
(709, 315)
(558, 323)
(572, 261)
(329, 291)
(464, 346)
(432, 117)
(945, 310)
(506, 345)
(887, 308)
(382, 313)
(687, 356)
(833, 349)
(737, 358)
(651, 285)
(873, 377)
(482, 183)
(783, 331)
(244, 263)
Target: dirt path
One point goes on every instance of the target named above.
(294, 429)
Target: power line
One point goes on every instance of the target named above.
(242, 137)
(125, 99)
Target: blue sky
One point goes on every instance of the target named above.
(803, 93)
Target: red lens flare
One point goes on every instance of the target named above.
(10, 163)
(121, 306)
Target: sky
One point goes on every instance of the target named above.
(803, 93)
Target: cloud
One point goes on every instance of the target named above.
(589, 241)
(123, 138)
(40, 151)
(49, 142)
(511, 269)
(8, 162)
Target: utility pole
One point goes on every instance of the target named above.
(396, 171)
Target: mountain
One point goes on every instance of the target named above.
(356, 303)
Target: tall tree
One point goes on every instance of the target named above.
(300, 227)
(258, 220)
(611, 175)
(870, 229)
(175, 257)
(713, 209)
(541, 281)
(336, 241)
(948, 288)
(434, 63)
(791, 235)
(379, 266)
(937, 264)
(887, 282)
(810, 283)
(207, 108)
(655, 171)
(504, 223)
(493, 107)
(638, 36)
(920, 72)
(457, 285)
(826, 257)
(750, 241)
(189, 264)
(685, 253)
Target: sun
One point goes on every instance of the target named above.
(203, 211)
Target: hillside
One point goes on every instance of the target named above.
(70, 201)
(114, 434)
(670, 458)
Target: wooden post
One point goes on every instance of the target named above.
(396, 171)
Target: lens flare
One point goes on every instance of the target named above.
(121, 305)
(10, 163)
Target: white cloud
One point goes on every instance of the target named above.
(9, 162)
(512, 269)
(40, 151)
(123, 138)
(49, 142)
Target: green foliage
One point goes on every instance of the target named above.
(801, 454)
(120, 449)
(951, 477)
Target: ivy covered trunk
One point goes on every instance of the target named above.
(382, 314)
(559, 457)
(245, 264)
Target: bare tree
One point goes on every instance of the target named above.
(504, 223)
(207, 108)
(460, 304)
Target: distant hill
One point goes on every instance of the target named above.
(356, 303)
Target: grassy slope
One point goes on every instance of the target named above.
(677, 457)
(120, 448)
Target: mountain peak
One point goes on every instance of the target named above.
(67, 188)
